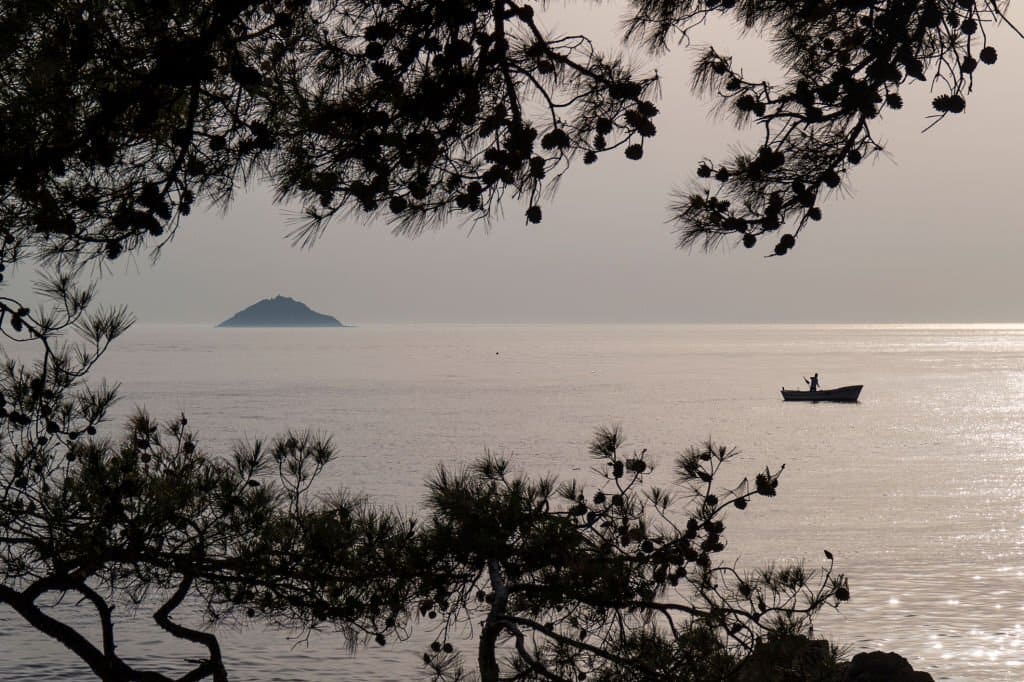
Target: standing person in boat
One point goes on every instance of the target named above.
(813, 382)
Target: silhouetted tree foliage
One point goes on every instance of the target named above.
(121, 115)
(618, 582)
(846, 62)
(151, 521)
(118, 116)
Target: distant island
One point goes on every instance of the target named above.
(280, 311)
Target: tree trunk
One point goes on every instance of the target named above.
(487, 657)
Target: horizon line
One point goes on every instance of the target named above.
(791, 323)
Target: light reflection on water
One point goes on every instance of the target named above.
(975, 633)
(918, 490)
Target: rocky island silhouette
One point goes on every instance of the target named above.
(280, 311)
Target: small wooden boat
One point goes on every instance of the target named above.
(843, 394)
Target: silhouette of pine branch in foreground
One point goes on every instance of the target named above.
(614, 582)
(846, 63)
(151, 520)
(421, 112)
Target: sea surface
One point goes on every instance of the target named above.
(918, 490)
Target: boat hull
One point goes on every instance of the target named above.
(844, 394)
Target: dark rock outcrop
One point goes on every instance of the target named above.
(796, 658)
(882, 666)
(793, 658)
(280, 311)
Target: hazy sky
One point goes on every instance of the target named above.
(932, 234)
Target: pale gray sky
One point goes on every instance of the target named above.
(932, 235)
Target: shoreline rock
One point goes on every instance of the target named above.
(883, 666)
(799, 659)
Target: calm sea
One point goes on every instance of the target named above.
(918, 490)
